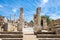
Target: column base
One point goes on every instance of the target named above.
(37, 30)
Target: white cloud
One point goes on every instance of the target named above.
(1, 6)
(14, 10)
(44, 2)
(42, 13)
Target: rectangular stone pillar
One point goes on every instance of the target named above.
(45, 23)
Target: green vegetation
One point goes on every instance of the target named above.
(48, 18)
(31, 21)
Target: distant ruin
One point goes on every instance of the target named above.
(39, 24)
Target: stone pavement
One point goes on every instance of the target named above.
(28, 34)
(29, 37)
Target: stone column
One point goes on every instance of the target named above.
(21, 22)
(14, 18)
(10, 18)
(45, 23)
(37, 20)
(22, 17)
(35, 23)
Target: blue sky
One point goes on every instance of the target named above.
(48, 7)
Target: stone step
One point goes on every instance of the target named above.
(11, 36)
(44, 32)
(12, 39)
(47, 36)
(11, 32)
(28, 34)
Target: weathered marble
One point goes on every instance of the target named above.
(37, 20)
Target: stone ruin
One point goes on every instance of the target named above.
(19, 25)
(37, 21)
(40, 24)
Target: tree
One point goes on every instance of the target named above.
(31, 23)
(48, 19)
